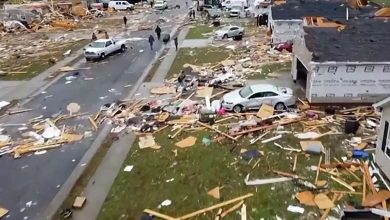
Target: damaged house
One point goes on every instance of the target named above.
(344, 64)
(285, 20)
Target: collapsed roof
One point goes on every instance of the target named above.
(362, 40)
(333, 9)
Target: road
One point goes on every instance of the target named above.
(29, 184)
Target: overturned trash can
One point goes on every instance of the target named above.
(207, 116)
(166, 38)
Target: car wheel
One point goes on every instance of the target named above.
(88, 59)
(280, 106)
(225, 36)
(240, 34)
(237, 108)
(102, 56)
(123, 48)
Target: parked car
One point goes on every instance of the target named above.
(229, 31)
(160, 5)
(120, 5)
(101, 48)
(212, 11)
(235, 11)
(253, 96)
(228, 4)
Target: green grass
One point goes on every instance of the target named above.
(200, 168)
(196, 56)
(89, 171)
(198, 32)
(29, 67)
(383, 3)
(267, 69)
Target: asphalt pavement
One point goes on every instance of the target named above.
(28, 184)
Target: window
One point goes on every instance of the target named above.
(348, 95)
(351, 69)
(332, 69)
(369, 69)
(314, 95)
(386, 69)
(108, 43)
(316, 68)
(385, 135)
(330, 95)
(234, 28)
(257, 95)
(270, 94)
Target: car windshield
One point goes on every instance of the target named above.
(159, 2)
(236, 8)
(98, 44)
(225, 28)
(245, 92)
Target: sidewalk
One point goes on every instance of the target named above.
(164, 67)
(100, 183)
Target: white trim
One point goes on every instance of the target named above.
(382, 103)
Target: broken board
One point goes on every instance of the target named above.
(147, 141)
(3, 212)
(265, 111)
(204, 92)
(306, 198)
(215, 193)
(163, 90)
(323, 201)
(79, 202)
(187, 142)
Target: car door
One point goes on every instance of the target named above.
(255, 100)
(270, 98)
(109, 47)
(233, 31)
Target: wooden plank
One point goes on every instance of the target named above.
(295, 162)
(318, 170)
(201, 211)
(255, 129)
(346, 185)
(364, 188)
(166, 217)
(243, 212)
(326, 213)
(233, 208)
(93, 123)
(79, 202)
(216, 130)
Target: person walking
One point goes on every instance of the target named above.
(151, 4)
(186, 4)
(151, 41)
(125, 21)
(176, 42)
(94, 36)
(158, 32)
(193, 13)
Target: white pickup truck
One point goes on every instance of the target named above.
(101, 48)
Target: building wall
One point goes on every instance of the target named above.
(381, 157)
(284, 30)
(349, 83)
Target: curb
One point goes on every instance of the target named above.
(70, 182)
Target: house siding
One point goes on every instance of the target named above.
(381, 158)
(284, 30)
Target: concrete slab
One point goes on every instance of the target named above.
(196, 43)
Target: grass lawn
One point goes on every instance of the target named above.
(28, 67)
(267, 69)
(198, 31)
(199, 168)
(383, 3)
(196, 56)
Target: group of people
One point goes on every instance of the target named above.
(158, 33)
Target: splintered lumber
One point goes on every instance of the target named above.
(193, 214)
(346, 185)
(295, 163)
(255, 129)
(376, 198)
(318, 170)
(218, 216)
(287, 174)
(93, 123)
(216, 130)
(364, 188)
(231, 209)
(20, 111)
(166, 217)
(243, 212)
(326, 213)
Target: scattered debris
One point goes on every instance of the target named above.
(79, 202)
(187, 142)
(128, 168)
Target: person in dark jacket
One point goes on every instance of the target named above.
(94, 36)
(176, 42)
(158, 32)
(193, 13)
(151, 41)
(124, 20)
